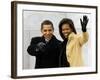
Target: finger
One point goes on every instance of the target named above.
(85, 17)
(87, 20)
(81, 21)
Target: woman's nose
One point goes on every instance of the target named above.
(65, 31)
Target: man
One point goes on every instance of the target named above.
(46, 48)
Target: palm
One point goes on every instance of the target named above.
(84, 23)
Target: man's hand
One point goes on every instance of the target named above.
(84, 23)
(41, 47)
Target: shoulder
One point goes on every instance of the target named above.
(57, 40)
(72, 36)
(36, 39)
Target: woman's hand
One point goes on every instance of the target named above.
(84, 23)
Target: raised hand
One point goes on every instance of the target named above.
(84, 23)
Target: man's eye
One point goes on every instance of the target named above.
(49, 30)
(45, 30)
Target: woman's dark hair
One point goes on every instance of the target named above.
(66, 21)
(47, 22)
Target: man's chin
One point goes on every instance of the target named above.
(48, 38)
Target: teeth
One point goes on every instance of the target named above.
(66, 34)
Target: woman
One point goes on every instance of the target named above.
(73, 42)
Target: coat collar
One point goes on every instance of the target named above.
(53, 38)
(71, 36)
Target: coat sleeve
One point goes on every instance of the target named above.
(32, 48)
(83, 38)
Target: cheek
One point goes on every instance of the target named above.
(63, 32)
(51, 32)
(43, 33)
(69, 31)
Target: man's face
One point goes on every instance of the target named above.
(66, 30)
(47, 31)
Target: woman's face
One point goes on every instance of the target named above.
(66, 30)
(47, 31)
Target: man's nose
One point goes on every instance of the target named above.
(48, 32)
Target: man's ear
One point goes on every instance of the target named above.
(53, 31)
(41, 31)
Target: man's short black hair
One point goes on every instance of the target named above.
(47, 22)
